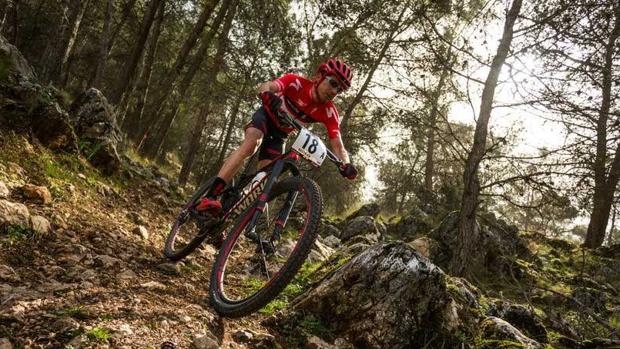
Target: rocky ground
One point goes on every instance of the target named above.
(89, 272)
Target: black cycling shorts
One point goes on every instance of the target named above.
(273, 139)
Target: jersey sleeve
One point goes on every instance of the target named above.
(284, 81)
(332, 121)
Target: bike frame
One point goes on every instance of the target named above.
(287, 161)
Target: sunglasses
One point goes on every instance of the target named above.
(334, 84)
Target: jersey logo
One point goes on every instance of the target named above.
(331, 112)
(296, 84)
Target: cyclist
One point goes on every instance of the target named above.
(305, 100)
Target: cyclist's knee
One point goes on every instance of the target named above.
(253, 140)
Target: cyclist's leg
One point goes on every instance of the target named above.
(234, 162)
(254, 133)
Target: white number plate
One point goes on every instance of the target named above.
(310, 147)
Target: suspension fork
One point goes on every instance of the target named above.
(283, 216)
(250, 230)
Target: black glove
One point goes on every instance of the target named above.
(348, 171)
(271, 102)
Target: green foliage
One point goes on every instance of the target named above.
(98, 334)
(13, 235)
(78, 312)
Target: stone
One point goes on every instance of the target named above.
(153, 285)
(320, 252)
(242, 336)
(106, 261)
(125, 330)
(329, 229)
(136, 218)
(390, 296)
(520, 317)
(169, 268)
(37, 194)
(370, 210)
(5, 343)
(65, 325)
(423, 245)
(78, 342)
(203, 341)
(363, 225)
(591, 298)
(14, 214)
(8, 274)
(126, 275)
(40, 224)
(17, 67)
(95, 124)
(141, 231)
(315, 342)
(496, 328)
(332, 241)
(4, 191)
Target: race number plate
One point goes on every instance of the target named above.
(310, 147)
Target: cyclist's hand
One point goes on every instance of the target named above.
(348, 171)
(271, 101)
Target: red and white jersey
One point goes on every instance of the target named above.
(296, 94)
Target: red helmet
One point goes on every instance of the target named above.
(334, 66)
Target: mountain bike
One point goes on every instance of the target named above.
(270, 221)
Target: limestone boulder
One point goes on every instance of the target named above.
(12, 213)
(495, 329)
(95, 124)
(390, 296)
(361, 226)
(371, 210)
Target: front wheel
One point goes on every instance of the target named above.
(188, 231)
(255, 265)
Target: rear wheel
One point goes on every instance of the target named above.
(247, 274)
(189, 230)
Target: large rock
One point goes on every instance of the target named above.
(14, 67)
(389, 296)
(4, 191)
(522, 318)
(361, 226)
(410, 225)
(496, 239)
(26, 104)
(38, 194)
(12, 213)
(371, 210)
(95, 124)
(495, 329)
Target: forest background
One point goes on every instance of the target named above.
(445, 95)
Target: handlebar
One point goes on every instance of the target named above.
(298, 126)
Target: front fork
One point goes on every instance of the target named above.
(259, 208)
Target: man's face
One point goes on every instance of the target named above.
(328, 88)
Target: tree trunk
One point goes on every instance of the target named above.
(104, 44)
(429, 164)
(125, 81)
(201, 121)
(344, 120)
(132, 123)
(77, 13)
(604, 185)
(166, 86)
(158, 129)
(121, 23)
(229, 130)
(50, 59)
(468, 238)
(610, 236)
